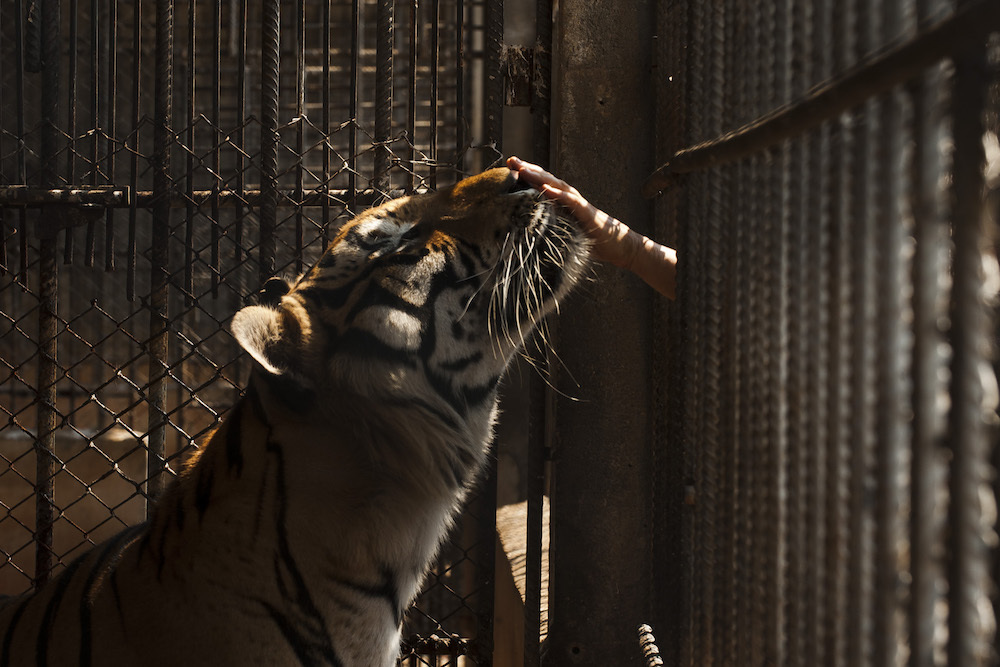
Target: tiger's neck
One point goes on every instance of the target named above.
(306, 488)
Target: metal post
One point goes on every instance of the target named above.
(159, 318)
(48, 318)
(269, 90)
(968, 437)
(383, 93)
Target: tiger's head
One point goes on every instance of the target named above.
(424, 298)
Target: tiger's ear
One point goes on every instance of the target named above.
(265, 333)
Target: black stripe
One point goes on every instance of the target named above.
(377, 295)
(46, 633)
(461, 364)
(367, 344)
(309, 628)
(8, 638)
(306, 651)
(234, 440)
(204, 484)
(108, 558)
(386, 590)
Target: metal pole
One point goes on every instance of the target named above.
(269, 91)
(48, 318)
(383, 93)
(158, 348)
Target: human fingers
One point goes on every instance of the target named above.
(536, 175)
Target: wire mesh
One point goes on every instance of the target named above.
(834, 333)
(238, 137)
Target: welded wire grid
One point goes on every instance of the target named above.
(158, 161)
(835, 335)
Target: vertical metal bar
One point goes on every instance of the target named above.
(930, 264)
(269, 91)
(300, 110)
(860, 600)
(325, 113)
(541, 93)
(159, 252)
(112, 127)
(19, 65)
(216, 231)
(73, 71)
(797, 71)
(134, 148)
(241, 107)
(486, 550)
(97, 45)
(841, 313)
(352, 175)
(383, 93)
(494, 77)
(687, 284)
(191, 67)
(434, 99)
(968, 436)
(893, 406)
(542, 398)
(539, 424)
(411, 102)
(461, 116)
(48, 364)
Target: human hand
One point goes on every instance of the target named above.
(613, 241)
(611, 237)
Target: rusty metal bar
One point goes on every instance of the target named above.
(48, 317)
(112, 125)
(216, 233)
(892, 372)
(494, 77)
(964, 29)
(71, 89)
(460, 101)
(435, 88)
(352, 159)
(967, 436)
(930, 263)
(411, 101)
(269, 93)
(325, 112)
(130, 262)
(189, 93)
(159, 314)
(485, 550)
(383, 92)
(300, 104)
(239, 26)
(541, 93)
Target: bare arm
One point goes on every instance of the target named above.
(613, 241)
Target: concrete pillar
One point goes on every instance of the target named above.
(603, 138)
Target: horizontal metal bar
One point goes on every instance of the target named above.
(963, 30)
(22, 195)
(121, 197)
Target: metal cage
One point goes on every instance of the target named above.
(158, 161)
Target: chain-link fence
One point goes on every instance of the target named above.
(834, 332)
(157, 161)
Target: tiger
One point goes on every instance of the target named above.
(303, 528)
